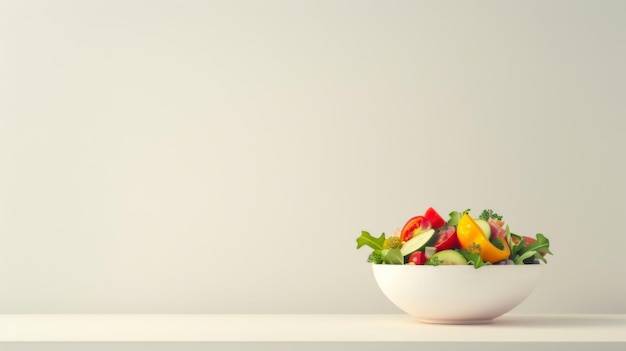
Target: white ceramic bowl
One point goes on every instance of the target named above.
(456, 294)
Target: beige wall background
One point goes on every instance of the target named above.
(223, 156)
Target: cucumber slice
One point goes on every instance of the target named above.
(484, 225)
(417, 242)
(448, 257)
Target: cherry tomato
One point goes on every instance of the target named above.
(446, 239)
(417, 222)
(418, 257)
(434, 218)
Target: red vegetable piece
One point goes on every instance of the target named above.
(417, 222)
(434, 218)
(418, 257)
(446, 239)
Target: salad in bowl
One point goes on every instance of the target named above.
(428, 239)
(461, 270)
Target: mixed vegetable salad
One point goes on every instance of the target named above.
(461, 240)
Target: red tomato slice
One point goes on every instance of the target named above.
(417, 222)
(446, 239)
(434, 218)
(418, 257)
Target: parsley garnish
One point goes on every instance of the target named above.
(487, 214)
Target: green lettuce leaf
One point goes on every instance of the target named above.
(542, 245)
(528, 254)
(509, 240)
(392, 256)
(473, 258)
(433, 261)
(368, 240)
(516, 249)
(455, 217)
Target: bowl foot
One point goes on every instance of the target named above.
(455, 321)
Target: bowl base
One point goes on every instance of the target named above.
(455, 321)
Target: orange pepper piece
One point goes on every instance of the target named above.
(473, 239)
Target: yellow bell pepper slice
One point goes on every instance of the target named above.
(473, 239)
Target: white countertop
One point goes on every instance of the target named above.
(305, 328)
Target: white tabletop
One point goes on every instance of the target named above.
(306, 327)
